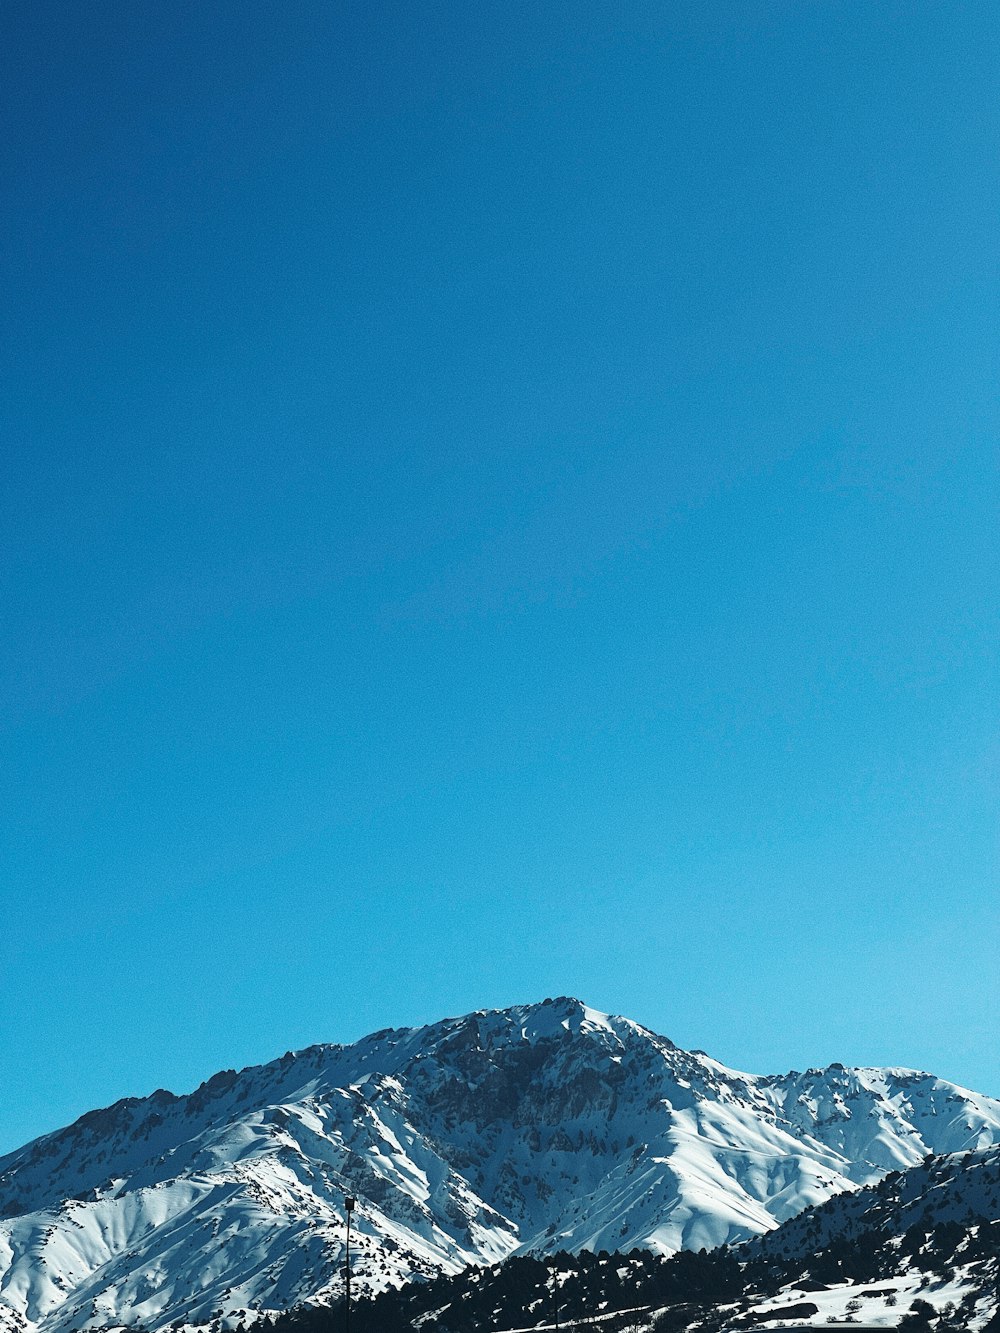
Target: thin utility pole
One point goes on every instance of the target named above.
(349, 1209)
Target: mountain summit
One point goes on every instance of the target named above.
(537, 1128)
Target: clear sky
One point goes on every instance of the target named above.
(498, 500)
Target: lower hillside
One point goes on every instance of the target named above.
(920, 1251)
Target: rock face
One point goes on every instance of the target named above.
(543, 1127)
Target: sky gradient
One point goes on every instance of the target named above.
(497, 501)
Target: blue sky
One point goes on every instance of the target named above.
(497, 501)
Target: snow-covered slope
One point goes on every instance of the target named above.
(949, 1193)
(927, 1235)
(542, 1127)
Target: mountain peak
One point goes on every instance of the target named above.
(564, 1013)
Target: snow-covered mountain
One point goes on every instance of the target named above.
(537, 1128)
